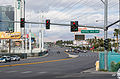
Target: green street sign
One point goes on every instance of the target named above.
(90, 31)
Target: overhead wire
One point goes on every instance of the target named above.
(66, 8)
(87, 14)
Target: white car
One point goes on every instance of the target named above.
(15, 58)
(2, 60)
(118, 74)
(7, 58)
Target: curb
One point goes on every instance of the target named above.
(92, 70)
(38, 56)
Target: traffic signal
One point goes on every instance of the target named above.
(74, 26)
(47, 24)
(106, 44)
(22, 22)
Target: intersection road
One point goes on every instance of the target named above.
(53, 66)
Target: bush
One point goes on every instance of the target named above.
(114, 66)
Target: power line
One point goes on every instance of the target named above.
(69, 6)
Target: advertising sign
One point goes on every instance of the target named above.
(13, 35)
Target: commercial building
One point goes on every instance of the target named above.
(6, 13)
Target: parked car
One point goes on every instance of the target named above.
(2, 60)
(7, 58)
(15, 58)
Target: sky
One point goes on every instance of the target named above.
(86, 12)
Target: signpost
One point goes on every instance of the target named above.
(90, 31)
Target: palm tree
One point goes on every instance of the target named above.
(116, 33)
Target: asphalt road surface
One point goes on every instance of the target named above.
(53, 66)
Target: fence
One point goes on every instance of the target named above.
(111, 56)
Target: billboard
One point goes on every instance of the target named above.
(79, 37)
(14, 35)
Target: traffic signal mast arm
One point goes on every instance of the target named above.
(55, 24)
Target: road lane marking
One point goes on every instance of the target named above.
(42, 72)
(26, 72)
(11, 71)
(34, 63)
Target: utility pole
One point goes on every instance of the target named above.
(40, 36)
(105, 30)
(30, 50)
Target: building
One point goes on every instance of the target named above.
(6, 13)
(81, 43)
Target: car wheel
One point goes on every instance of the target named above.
(18, 59)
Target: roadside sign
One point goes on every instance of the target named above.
(14, 35)
(90, 31)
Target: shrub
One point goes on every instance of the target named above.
(114, 66)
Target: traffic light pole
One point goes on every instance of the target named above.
(105, 30)
(55, 24)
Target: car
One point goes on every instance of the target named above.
(76, 51)
(70, 50)
(118, 74)
(2, 60)
(15, 58)
(84, 51)
(7, 58)
(67, 50)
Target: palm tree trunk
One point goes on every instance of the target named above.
(117, 43)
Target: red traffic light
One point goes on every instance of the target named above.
(73, 22)
(47, 22)
(21, 19)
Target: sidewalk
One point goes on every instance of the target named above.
(92, 70)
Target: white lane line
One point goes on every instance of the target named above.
(42, 72)
(11, 71)
(26, 72)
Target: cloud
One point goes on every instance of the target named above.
(63, 11)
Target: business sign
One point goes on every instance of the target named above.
(14, 35)
(79, 37)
